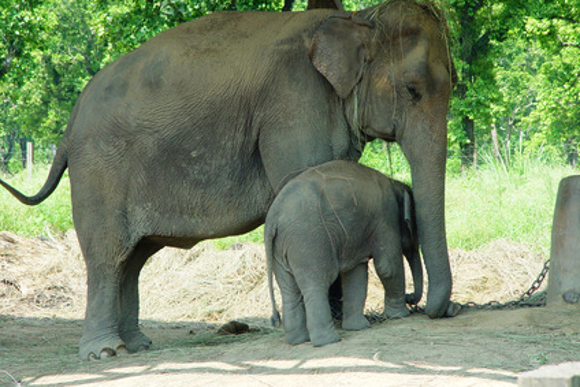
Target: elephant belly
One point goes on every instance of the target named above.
(204, 205)
(172, 200)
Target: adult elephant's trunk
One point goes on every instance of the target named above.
(425, 148)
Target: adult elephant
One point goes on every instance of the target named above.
(189, 136)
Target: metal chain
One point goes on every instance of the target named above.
(527, 299)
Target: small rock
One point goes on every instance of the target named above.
(233, 328)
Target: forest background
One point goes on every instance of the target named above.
(514, 117)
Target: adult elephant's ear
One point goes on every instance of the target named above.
(339, 51)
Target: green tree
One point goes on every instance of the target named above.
(18, 35)
(50, 49)
(517, 62)
(555, 26)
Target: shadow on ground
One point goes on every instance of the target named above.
(476, 348)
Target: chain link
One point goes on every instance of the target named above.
(527, 299)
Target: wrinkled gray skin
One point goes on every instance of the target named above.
(189, 136)
(330, 220)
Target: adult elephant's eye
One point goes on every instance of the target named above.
(414, 93)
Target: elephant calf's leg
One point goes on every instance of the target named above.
(319, 318)
(354, 289)
(293, 311)
(392, 275)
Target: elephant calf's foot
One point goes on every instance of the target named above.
(394, 313)
(297, 336)
(136, 341)
(355, 323)
(323, 338)
(102, 348)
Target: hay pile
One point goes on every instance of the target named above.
(500, 271)
(206, 284)
(46, 278)
(41, 277)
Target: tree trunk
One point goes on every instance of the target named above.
(472, 45)
(22, 142)
(332, 4)
(287, 5)
(6, 152)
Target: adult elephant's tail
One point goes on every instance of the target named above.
(59, 165)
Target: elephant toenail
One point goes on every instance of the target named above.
(107, 353)
(571, 297)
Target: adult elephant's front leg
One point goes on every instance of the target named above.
(293, 312)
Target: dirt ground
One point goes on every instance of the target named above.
(40, 325)
(476, 348)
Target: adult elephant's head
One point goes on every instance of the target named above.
(391, 65)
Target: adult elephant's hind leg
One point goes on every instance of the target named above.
(129, 329)
(100, 338)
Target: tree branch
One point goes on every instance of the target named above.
(570, 44)
(6, 63)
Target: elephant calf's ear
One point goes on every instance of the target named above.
(338, 52)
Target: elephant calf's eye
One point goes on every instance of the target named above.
(414, 93)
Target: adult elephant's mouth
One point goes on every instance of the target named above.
(389, 136)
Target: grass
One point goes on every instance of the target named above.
(491, 203)
(52, 215)
(482, 205)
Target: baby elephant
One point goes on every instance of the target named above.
(330, 220)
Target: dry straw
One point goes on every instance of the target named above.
(46, 278)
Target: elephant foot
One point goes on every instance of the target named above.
(327, 337)
(102, 348)
(136, 341)
(411, 299)
(355, 323)
(394, 313)
(297, 337)
(452, 309)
